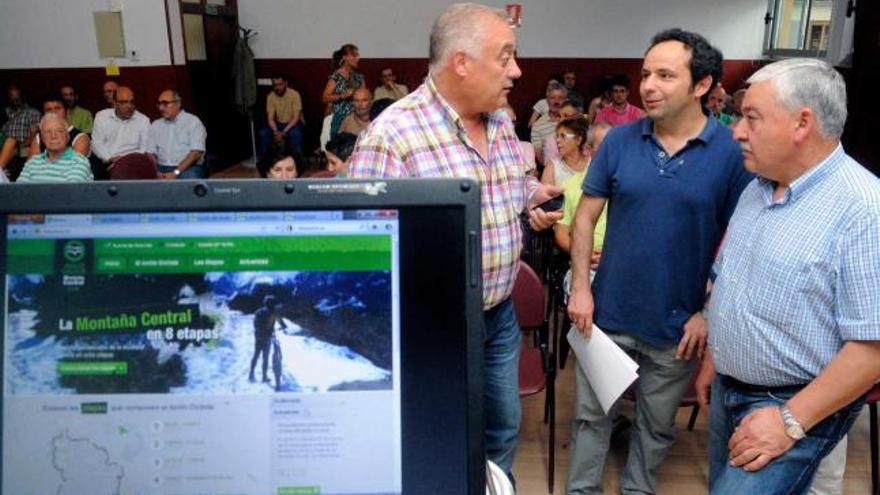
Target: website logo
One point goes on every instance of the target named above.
(74, 251)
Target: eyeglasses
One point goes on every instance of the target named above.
(163, 103)
(565, 135)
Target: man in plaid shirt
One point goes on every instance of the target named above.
(23, 119)
(454, 126)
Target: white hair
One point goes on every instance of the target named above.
(811, 83)
(52, 116)
(556, 86)
(460, 27)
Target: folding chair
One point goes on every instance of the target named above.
(537, 367)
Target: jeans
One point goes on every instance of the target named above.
(790, 473)
(295, 135)
(195, 171)
(662, 382)
(503, 412)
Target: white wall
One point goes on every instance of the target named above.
(551, 28)
(61, 33)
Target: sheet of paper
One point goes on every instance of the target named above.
(112, 69)
(609, 369)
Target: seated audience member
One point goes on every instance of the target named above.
(79, 141)
(22, 120)
(546, 124)
(571, 140)
(59, 163)
(358, 120)
(716, 103)
(8, 147)
(620, 111)
(541, 106)
(573, 193)
(527, 149)
(177, 140)
(389, 88)
(601, 101)
(379, 106)
(119, 131)
(279, 163)
(109, 92)
(283, 116)
(549, 149)
(569, 79)
(736, 104)
(339, 150)
(77, 116)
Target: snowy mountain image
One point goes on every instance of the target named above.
(196, 333)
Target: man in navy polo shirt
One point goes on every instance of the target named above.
(671, 181)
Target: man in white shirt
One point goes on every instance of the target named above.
(119, 131)
(177, 140)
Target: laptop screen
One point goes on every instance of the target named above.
(241, 337)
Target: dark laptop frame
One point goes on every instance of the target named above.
(440, 283)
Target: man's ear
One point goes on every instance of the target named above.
(805, 125)
(703, 86)
(459, 61)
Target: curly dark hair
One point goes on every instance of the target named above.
(706, 60)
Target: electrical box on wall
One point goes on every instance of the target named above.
(108, 31)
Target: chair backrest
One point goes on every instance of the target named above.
(528, 298)
(134, 166)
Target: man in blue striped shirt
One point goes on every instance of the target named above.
(795, 313)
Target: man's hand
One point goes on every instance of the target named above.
(703, 383)
(696, 329)
(540, 219)
(167, 176)
(759, 438)
(580, 311)
(278, 136)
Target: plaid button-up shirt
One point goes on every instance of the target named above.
(21, 121)
(423, 136)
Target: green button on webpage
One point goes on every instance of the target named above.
(299, 490)
(92, 368)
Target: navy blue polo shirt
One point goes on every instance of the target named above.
(666, 217)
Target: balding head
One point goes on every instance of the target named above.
(362, 99)
(109, 90)
(124, 102)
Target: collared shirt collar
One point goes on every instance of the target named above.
(455, 118)
(806, 181)
(705, 135)
(66, 154)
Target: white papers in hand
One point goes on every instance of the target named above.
(609, 370)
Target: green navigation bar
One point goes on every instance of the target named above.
(212, 254)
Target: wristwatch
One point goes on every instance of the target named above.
(177, 172)
(793, 427)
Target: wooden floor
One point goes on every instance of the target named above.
(686, 469)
